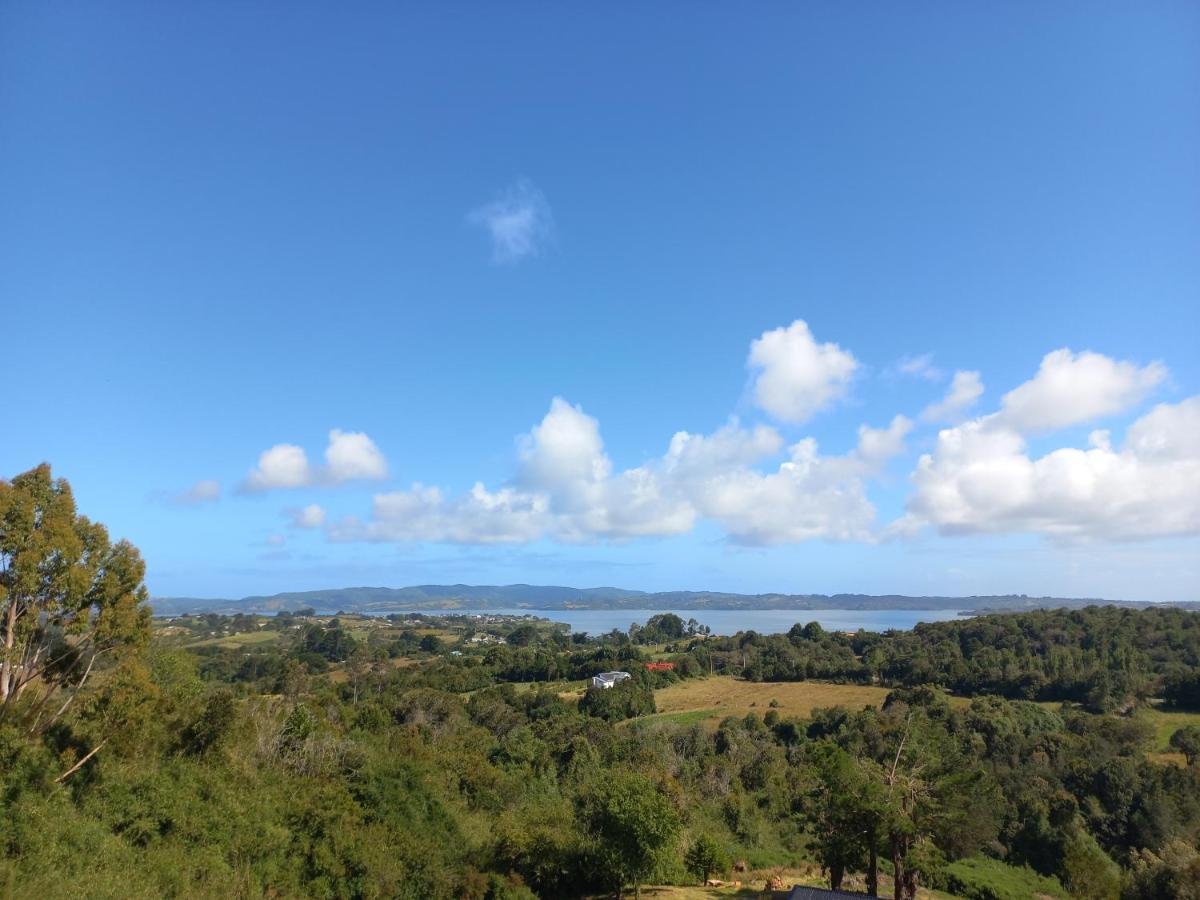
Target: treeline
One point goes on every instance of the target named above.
(1102, 657)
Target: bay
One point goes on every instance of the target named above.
(727, 621)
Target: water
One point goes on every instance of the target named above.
(727, 621)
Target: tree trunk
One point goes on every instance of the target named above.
(10, 634)
(835, 876)
(897, 869)
(873, 867)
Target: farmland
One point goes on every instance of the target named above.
(711, 699)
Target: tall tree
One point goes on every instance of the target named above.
(68, 597)
(633, 827)
(704, 856)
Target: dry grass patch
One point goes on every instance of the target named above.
(724, 695)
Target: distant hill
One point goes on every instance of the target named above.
(549, 597)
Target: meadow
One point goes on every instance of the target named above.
(711, 699)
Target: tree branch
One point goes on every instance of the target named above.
(75, 768)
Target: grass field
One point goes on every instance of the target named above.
(753, 885)
(242, 639)
(1165, 722)
(711, 699)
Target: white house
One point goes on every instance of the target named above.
(608, 679)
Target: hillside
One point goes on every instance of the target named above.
(549, 597)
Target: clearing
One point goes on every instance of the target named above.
(711, 699)
(1166, 722)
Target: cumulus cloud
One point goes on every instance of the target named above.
(311, 516)
(424, 513)
(980, 478)
(566, 488)
(519, 222)
(796, 377)
(349, 456)
(1072, 388)
(964, 390)
(206, 490)
(808, 496)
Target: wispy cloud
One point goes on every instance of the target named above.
(519, 222)
(311, 516)
(919, 367)
(964, 390)
(207, 490)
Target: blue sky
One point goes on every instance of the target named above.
(230, 227)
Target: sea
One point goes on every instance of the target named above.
(723, 621)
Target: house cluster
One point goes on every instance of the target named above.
(609, 679)
(483, 637)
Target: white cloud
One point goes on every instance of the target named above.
(1073, 388)
(276, 540)
(281, 466)
(350, 456)
(311, 516)
(919, 367)
(566, 488)
(980, 479)
(564, 453)
(809, 496)
(964, 390)
(519, 222)
(797, 377)
(425, 514)
(206, 490)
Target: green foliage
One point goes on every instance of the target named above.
(704, 857)
(332, 643)
(980, 878)
(626, 700)
(632, 828)
(213, 725)
(1173, 872)
(1087, 871)
(68, 596)
(1182, 689)
(1186, 740)
(431, 643)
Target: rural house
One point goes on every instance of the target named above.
(608, 679)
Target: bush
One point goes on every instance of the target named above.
(626, 700)
(979, 878)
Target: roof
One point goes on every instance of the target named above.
(803, 892)
(610, 679)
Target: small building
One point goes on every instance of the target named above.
(659, 666)
(802, 892)
(609, 679)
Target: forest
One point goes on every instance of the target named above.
(1051, 753)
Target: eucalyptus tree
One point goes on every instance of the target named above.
(69, 598)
